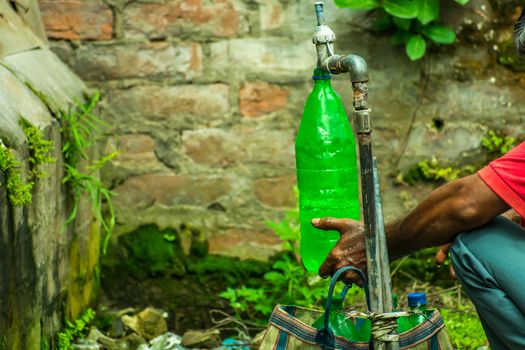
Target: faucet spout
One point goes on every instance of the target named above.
(353, 64)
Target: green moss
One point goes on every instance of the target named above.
(39, 148)
(18, 190)
(493, 145)
(508, 57)
(497, 144)
(153, 252)
(433, 171)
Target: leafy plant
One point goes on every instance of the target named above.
(414, 23)
(18, 189)
(433, 171)
(74, 330)
(80, 131)
(39, 148)
(498, 144)
(464, 328)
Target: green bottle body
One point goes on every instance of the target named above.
(337, 321)
(327, 175)
(406, 323)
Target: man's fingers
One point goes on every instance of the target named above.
(442, 254)
(327, 267)
(331, 223)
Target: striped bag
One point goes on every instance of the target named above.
(290, 328)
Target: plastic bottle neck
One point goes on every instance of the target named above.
(321, 78)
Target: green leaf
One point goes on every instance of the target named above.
(383, 22)
(462, 2)
(440, 34)
(401, 8)
(402, 23)
(428, 10)
(400, 37)
(416, 47)
(358, 4)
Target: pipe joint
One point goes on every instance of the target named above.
(363, 121)
(353, 64)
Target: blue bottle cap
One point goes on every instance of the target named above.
(416, 299)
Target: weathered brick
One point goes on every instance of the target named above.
(150, 104)
(245, 244)
(143, 191)
(77, 20)
(271, 14)
(137, 153)
(212, 146)
(264, 146)
(158, 59)
(276, 192)
(275, 59)
(256, 99)
(221, 18)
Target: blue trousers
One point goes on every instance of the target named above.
(490, 264)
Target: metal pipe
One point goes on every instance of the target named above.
(375, 241)
(384, 261)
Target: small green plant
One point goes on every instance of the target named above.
(73, 330)
(493, 145)
(39, 148)
(497, 144)
(413, 22)
(464, 328)
(18, 189)
(433, 171)
(80, 131)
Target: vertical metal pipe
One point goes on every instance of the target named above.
(383, 252)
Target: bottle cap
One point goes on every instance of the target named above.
(417, 299)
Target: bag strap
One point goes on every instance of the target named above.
(325, 336)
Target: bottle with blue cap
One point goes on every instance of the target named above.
(416, 301)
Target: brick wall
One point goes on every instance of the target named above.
(206, 96)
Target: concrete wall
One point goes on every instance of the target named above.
(48, 271)
(206, 97)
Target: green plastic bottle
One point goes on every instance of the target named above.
(337, 321)
(415, 301)
(326, 169)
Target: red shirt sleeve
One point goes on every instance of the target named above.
(506, 177)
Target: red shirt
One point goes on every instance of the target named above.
(506, 177)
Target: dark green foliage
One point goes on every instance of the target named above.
(80, 131)
(153, 252)
(18, 190)
(413, 23)
(74, 330)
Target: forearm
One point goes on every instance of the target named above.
(452, 208)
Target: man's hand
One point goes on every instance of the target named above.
(442, 256)
(349, 250)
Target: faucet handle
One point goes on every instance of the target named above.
(322, 34)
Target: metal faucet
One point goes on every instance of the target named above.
(379, 281)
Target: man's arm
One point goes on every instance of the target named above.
(458, 206)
